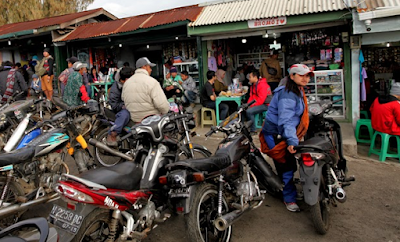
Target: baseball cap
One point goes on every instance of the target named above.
(300, 69)
(144, 61)
(78, 65)
(72, 59)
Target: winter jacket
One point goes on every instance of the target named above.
(261, 92)
(385, 115)
(75, 92)
(190, 85)
(143, 96)
(264, 70)
(284, 114)
(114, 98)
(19, 83)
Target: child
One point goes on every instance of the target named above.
(36, 86)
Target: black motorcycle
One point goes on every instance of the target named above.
(213, 192)
(322, 165)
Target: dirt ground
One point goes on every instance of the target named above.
(371, 212)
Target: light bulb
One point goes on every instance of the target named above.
(266, 35)
(9, 42)
(274, 42)
(120, 45)
(244, 41)
(176, 37)
(148, 46)
(388, 44)
(44, 45)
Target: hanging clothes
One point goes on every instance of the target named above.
(212, 64)
(363, 94)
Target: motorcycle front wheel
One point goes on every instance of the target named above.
(320, 212)
(105, 158)
(95, 226)
(200, 219)
(14, 191)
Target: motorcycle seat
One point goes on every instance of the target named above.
(317, 142)
(210, 164)
(123, 176)
(60, 103)
(17, 156)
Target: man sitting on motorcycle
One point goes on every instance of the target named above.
(261, 92)
(385, 112)
(286, 122)
(117, 104)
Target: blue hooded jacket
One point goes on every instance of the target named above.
(284, 114)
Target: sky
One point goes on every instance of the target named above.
(127, 8)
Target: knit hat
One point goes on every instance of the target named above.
(46, 50)
(35, 76)
(173, 70)
(395, 90)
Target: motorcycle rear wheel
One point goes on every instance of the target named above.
(320, 213)
(106, 159)
(95, 226)
(200, 219)
(14, 191)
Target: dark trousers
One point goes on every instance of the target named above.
(251, 114)
(173, 92)
(286, 173)
(121, 120)
(223, 108)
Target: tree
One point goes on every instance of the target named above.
(13, 11)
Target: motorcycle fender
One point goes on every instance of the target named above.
(310, 177)
(81, 209)
(185, 204)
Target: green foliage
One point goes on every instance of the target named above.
(13, 11)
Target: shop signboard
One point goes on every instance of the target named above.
(268, 22)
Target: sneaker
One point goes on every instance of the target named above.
(292, 207)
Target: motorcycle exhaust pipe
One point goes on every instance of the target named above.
(223, 222)
(23, 206)
(104, 147)
(340, 195)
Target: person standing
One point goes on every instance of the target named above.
(189, 87)
(63, 77)
(285, 124)
(122, 116)
(75, 92)
(11, 81)
(45, 70)
(208, 96)
(271, 70)
(142, 94)
(261, 93)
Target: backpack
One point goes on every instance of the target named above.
(39, 69)
(63, 77)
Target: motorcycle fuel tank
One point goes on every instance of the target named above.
(236, 147)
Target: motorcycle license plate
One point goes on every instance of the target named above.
(66, 219)
(179, 192)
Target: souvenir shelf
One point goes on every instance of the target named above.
(328, 85)
(257, 58)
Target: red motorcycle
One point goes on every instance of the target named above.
(125, 201)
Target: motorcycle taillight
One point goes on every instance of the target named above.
(307, 159)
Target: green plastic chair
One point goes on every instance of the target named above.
(366, 123)
(365, 114)
(259, 119)
(383, 152)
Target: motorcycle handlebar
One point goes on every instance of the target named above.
(211, 131)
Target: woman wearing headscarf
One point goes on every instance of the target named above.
(219, 85)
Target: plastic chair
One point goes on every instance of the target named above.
(366, 123)
(364, 113)
(383, 152)
(204, 121)
(259, 119)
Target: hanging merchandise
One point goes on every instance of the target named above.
(338, 55)
(322, 55)
(328, 54)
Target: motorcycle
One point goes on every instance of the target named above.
(124, 201)
(39, 230)
(322, 166)
(29, 174)
(214, 192)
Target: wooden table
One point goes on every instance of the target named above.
(96, 86)
(236, 99)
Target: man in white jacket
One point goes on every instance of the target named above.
(142, 94)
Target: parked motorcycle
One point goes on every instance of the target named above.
(322, 165)
(124, 201)
(29, 174)
(38, 230)
(214, 192)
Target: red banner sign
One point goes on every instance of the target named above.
(268, 22)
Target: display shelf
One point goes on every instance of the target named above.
(333, 89)
(191, 67)
(257, 58)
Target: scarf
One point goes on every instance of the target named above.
(279, 151)
(10, 86)
(219, 75)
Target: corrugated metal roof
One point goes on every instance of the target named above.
(243, 10)
(45, 22)
(371, 5)
(133, 23)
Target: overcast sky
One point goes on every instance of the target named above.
(126, 8)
